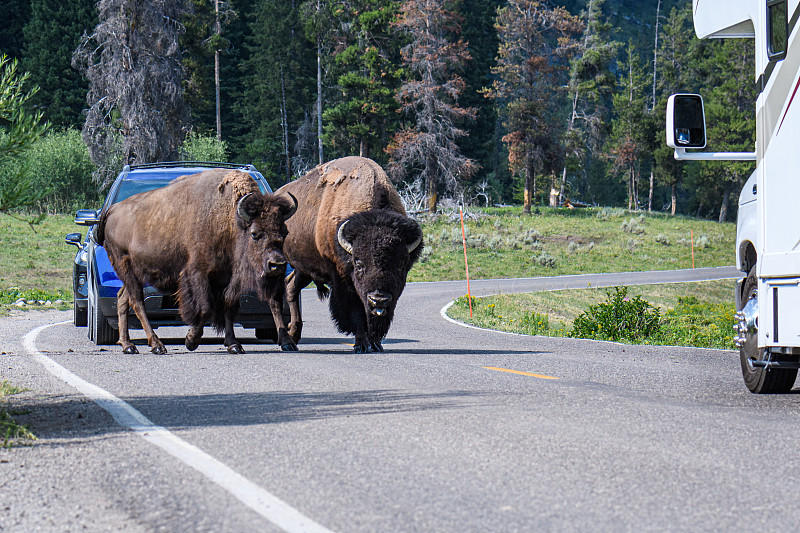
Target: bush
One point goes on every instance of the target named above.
(197, 147)
(618, 318)
(60, 162)
(535, 323)
(701, 324)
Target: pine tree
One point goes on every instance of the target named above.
(277, 84)
(730, 97)
(133, 63)
(434, 58)
(51, 35)
(678, 51)
(535, 43)
(361, 120)
(19, 130)
(628, 141)
(590, 84)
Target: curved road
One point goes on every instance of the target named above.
(451, 429)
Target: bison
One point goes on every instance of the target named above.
(352, 237)
(210, 238)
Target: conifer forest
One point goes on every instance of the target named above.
(479, 102)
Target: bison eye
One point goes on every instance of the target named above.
(257, 235)
(359, 265)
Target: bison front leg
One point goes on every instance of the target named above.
(230, 341)
(347, 311)
(295, 282)
(285, 340)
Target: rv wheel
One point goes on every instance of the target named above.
(758, 379)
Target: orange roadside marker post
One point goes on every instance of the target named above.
(466, 264)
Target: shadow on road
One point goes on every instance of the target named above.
(74, 417)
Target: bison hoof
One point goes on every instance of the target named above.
(159, 350)
(376, 346)
(131, 349)
(235, 348)
(289, 347)
(361, 348)
(192, 346)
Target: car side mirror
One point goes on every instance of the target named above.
(686, 121)
(73, 239)
(86, 217)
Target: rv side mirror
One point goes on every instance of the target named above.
(686, 121)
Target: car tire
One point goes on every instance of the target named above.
(80, 318)
(267, 334)
(758, 379)
(100, 331)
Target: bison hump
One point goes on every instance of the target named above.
(355, 184)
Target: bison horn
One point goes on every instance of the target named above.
(342, 241)
(293, 210)
(240, 209)
(413, 245)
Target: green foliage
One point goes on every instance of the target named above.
(10, 430)
(198, 147)
(57, 167)
(700, 324)
(618, 318)
(47, 54)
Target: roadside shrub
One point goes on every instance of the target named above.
(535, 323)
(60, 162)
(702, 242)
(198, 147)
(618, 318)
(696, 323)
(662, 239)
(544, 259)
(634, 225)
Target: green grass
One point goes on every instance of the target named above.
(504, 243)
(11, 433)
(692, 314)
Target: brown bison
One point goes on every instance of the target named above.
(351, 236)
(210, 238)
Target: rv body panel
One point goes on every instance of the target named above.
(715, 19)
(777, 131)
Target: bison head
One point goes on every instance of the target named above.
(379, 247)
(263, 219)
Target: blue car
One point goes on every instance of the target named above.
(95, 284)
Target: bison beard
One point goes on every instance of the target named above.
(378, 248)
(210, 237)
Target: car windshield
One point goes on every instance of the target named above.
(141, 183)
(130, 187)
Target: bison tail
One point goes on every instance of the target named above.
(100, 229)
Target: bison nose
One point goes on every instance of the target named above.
(379, 302)
(274, 266)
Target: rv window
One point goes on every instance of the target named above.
(777, 26)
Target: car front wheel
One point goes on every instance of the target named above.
(100, 331)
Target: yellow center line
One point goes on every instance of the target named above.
(540, 376)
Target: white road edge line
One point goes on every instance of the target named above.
(256, 498)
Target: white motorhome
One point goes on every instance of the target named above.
(768, 226)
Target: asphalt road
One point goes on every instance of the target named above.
(450, 429)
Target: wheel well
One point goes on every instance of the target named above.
(748, 257)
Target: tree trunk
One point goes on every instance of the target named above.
(530, 187)
(217, 30)
(674, 199)
(430, 185)
(285, 125)
(319, 97)
(726, 195)
(650, 194)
